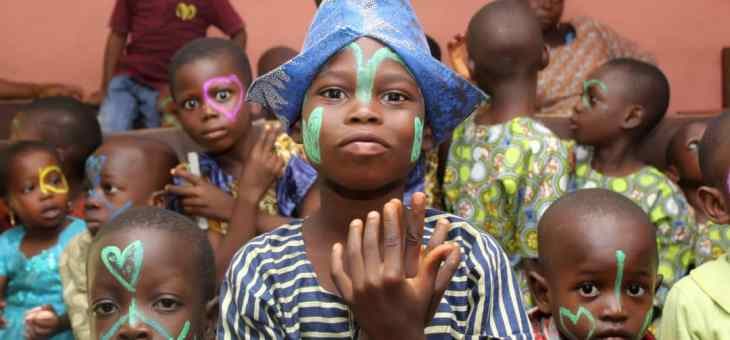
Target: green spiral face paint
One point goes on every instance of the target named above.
(417, 139)
(125, 266)
(366, 71)
(574, 318)
(620, 261)
(310, 133)
(587, 86)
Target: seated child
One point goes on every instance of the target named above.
(37, 192)
(209, 78)
(597, 271)
(711, 239)
(142, 285)
(505, 168)
(68, 125)
(698, 306)
(269, 60)
(116, 182)
(365, 95)
(622, 102)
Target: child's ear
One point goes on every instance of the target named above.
(634, 117)
(428, 142)
(545, 57)
(659, 281)
(672, 173)
(539, 288)
(158, 199)
(713, 203)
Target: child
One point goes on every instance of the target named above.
(269, 60)
(597, 270)
(698, 306)
(71, 127)
(115, 185)
(209, 78)
(151, 276)
(37, 193)
(711, 239)
(143, 37)
(505, 168)
(355, 88)
(622, 102)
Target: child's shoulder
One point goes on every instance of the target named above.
(14, 234)
(475, 243)
(272, 244)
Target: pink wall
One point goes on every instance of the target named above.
(63, 41)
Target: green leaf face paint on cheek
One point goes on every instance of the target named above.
(647, 321)
(310, 133)
(574, 318)
(417, 139)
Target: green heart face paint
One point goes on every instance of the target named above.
(620, 261)
(310, 133)
(587, 86)
(417, 139)
(574, 318)
(126, 266)
(366, 70)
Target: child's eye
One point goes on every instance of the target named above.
(104, 308)
(167, 304)
(110, 189)
(28, 188)
(394, 97)
(191, 104)
(635, 290)
(333, 94)
(222, 96)
(588, 290)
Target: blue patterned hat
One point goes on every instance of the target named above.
(449, 99)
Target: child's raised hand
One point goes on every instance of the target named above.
(394, 296)
(41, 322)
(201, 198)
(262, 166)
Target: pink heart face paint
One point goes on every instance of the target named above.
(225, 95)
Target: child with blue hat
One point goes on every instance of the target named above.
(370, 99)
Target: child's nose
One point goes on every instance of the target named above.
(136, 332)
(364, 114)
(209, 112)
(613, 311)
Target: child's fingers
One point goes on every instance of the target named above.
(415, 218)
(392, 242)
(439, 235)
(339, 276)
(432, 264)
(371, 247)
(181, 190)
(353, 255)
(443, 278)
(187, 176)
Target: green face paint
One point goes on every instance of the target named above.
(311, 129)
(366, 71)
(620, 260)
(417, 139)
(647, 321)
(587, 86)
(574, 318)
(125, 267)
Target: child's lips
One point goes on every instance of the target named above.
(51, 213)
(215, 134)
(364, 144)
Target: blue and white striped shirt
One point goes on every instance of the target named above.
(271, 292)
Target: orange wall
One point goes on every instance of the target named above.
(63, 41)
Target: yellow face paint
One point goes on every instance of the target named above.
(47, 178)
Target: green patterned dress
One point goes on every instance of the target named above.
(662, 200)
(502, 178)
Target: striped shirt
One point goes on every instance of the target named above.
(271, 292)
